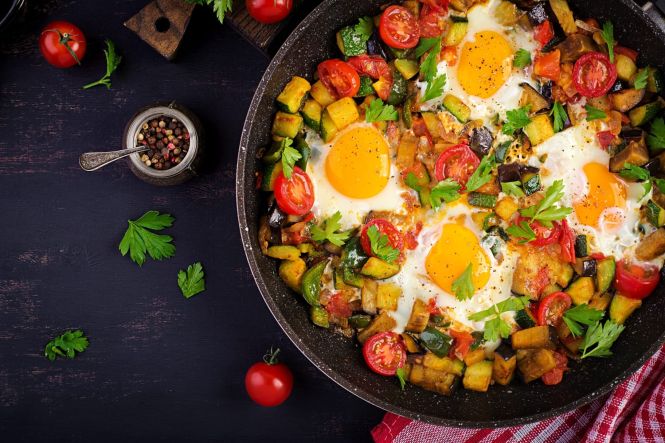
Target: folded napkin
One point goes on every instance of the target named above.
(633, 412)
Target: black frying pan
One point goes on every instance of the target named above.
(340, 358)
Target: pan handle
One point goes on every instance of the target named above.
(656, 10)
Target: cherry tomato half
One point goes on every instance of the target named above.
(269, 11)
(605, 138)
(567, 242)
(269, 383)
(432, 21)
(385, 228)
(398, 28)
(462, 344)
(554, 376)
(62, 44)
(458, 162)
(375, 67)
(339, 78)
(635, 281)
(544, 235)
(384, 353)
(294, 195)
(551, 308)
(543, 33)
(594, 74)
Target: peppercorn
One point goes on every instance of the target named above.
(168, 140)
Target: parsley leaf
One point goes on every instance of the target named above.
(220, 7)
(66, 345)
(660, 183)
(328, 231)
(401, 377)
(634, 172)
(594, 113)
(435, 87)
(424, 45)
(290, 156)
(112, 62)
(641, 78)
(496, 327)
(599, 338)
(428, 66)
(364, 28)
(192, 281)
(608, 35)
(513, 188)
(560, 116)
(411, 181)
(139, 238)
(381, 246)
(377, 111)
(482, 174)
(581, 314)
(522, 58)
(516, 119)
(463, 285)
(545, 211)
(523, 231)
(656, 136)
(446, 190)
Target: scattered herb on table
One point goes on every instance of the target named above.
(139, 238)
(66, 345)
(220, 7)
(168, 140)
(192, 281)
(112, 62)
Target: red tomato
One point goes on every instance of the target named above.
(554, 376)
(548, 65)
(269, 383)
(398, 28)
(543, 33)
(551, 308)
(375, 67)
(384, 227)
(411, 237)
(294, 195)
(339, 78)
(544, 236)
(457, 162)
(432, 22)
(62, 44)
(384, 353)
(594, 74)
(630, 53)
(462, 344)
(420, 129)
(542, 280)
(436, 5)
(339, 306)
(567, 242)
(605, 138)
(449, 54)
(269, 11)
(635, 281)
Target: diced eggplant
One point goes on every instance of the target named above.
(656, 166)
(626, 99)
(630, 134)
(481, 140)
(475, 356)
(418, 318)
(503, 369)
(381, 323)
(581, 290)
(537, 13)
(509, 172)
(635, 153)
(533, 363)
(618, 85)
(531, 97)
(581, 245)
(276, 217)
(652, 246)
(505, 351)
(586, 267)
(477, 377)
(564, 16)
(375, 46)
(574, 46)
(527, 5)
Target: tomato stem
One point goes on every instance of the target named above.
(270, 357)
(64, 40)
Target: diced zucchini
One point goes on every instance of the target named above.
(387, 296)
(360, 321)
(410, 343)
(275, 153)
(503, 370)
(319, 316)
(381, 323)
(270, 174)
(533, 363)
(283, 252)
(654, 80)
(399, 89)
(456, 33)
(321, 94)
(475, 356)
(539, 129)
(351, 278)
(535, 337)
(432, 380)
(621, 307)
(311, 114)
(445, 364)
(343, 112)
(655, 214)
(350, 42)
(531, 182)
(507, 13)
(433, 124)
(304, 150)
(581, 290)
(600, 301)
(605, 269)
(368, 296)
(525, 319)
(419, 317)
(643, 114)
(293, 95)
(457, 108)
(564, 275)
(626, 67)
(328, 127)
(291, 271)
(408, 68)
(482, 200)
(506, 208)
(407, 117)
(287, 125)
(379, 269)
(477, 377)
(550, 289)
(581, 245)
(366, 88)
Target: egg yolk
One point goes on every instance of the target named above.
(485, 64)
(605, 192)
(451, 254)
(358, 164)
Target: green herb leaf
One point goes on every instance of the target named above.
(424, 45)
(545, 211)
(522, 58)
(634, 172)
(581, 315)
(290, 156)
(656, 137)
(66, 345)
(377, 111)
(192, 281)
(364, 28)
(660, 184)
(435, 87)
(446, 190)
(436, 341)
(513, 188)
(522, 231)
(112, 62)
(509, 304)
(412, 182)
(608, 35)
(516, 119)
(496, 328)
(381, 246)
(482, 174)
(463, 285)
(139, 238)
(594, 113)
(328, 231)
(599, 338)
(220, 7)
(428, 67)
(559, 116)
(401, 377)
(641, 78)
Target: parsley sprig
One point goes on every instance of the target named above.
(522, 58)
(513, 188)
(522, 231)
(446, 190)
(482, 174)
(559, 116)
(599, 338)
(435, 87)
(545, 211)
(641, 78)
(139, 238)
(463, 285)
(192, 280)
(634, 172)
(425, 44)
(594, 113)
(656, 136)
(328, 231)
(378, 111)
(581, 315)
(428, 69)
(112, 62)
(608, 35)
(516, 119)
(290, 156)
(496, 327)
(380, 245)
(66, 345)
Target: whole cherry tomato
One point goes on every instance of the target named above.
(384, 353)
(269, 383)
(269, 11)
(635, 281)
(62, 44)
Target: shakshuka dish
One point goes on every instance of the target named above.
(471, 190)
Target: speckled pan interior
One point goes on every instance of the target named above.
(340, 358)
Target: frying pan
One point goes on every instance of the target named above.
(340, 358)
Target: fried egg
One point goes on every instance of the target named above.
(354, 174)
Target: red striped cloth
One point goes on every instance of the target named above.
(633, 412)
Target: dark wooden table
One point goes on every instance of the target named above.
(159, 367)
